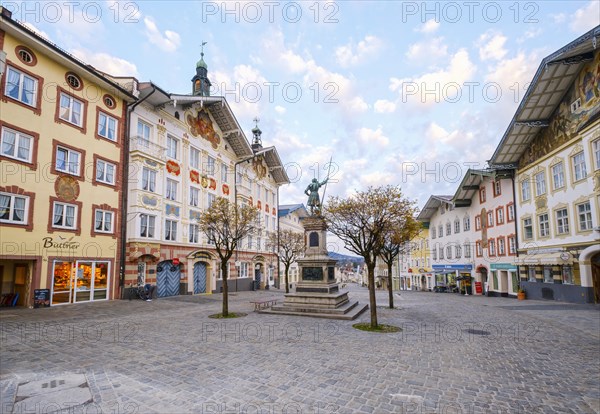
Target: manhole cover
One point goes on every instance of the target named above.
(477, 332)
(53, 394)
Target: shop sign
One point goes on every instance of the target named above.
(453, 267)
(49, 243)
(502, 266)
(545, 251)
(41, 298)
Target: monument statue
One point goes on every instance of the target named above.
(312, 191)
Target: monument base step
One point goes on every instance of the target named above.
(348, 311)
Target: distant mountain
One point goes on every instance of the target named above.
(342, 258)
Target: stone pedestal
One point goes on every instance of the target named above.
(317, 294)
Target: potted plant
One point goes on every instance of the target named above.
(521, 294)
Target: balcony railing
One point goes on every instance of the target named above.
(148, 147)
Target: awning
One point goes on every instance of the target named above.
(544, 259)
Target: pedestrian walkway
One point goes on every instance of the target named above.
(456, 353)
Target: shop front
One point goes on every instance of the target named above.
(75, 281)
(504, 280)
(453, 278)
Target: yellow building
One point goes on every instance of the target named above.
(418, 274)
(62, 130)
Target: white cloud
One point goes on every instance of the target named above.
(586, 18)
(373, 137)
(350, 55)
(36, 30)
(106, 63)
(430, 26)
(383, 106)
(559, 18)
(168, 41)
(244, 89)
(427, 50)
(491, 45)
(514, 72)
(280, 109)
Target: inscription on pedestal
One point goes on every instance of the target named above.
(312, 273)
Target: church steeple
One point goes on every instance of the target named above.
(256, 132)
(200, 82)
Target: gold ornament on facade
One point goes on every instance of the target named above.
(66, 188)
(541, 203)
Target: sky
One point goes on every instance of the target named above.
(402, 93)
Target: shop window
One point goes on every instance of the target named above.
(107, 126)
(16, 145)
(64, 215)
(147, 226)
(567, 275)
(531, 274)
(105, 172)
(584, 215)
(21, 87)
(14, 209)
(548, 274)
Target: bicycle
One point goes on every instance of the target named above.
(139, 291)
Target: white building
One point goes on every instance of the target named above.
(290, 216)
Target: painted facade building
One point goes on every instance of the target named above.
(184, 151)
(418, 273)
(62, 131)
(290, 216)
(553, 146)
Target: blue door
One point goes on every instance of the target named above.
(199, 277)
(167, 279)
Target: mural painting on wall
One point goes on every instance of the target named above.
(580, 104)
(173, 167)
(202, 126)
(259, 168)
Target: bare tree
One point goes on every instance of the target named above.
(289, 246)
(362, 221)
(226, 224)
(395, 241)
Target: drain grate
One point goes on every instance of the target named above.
(477, 332)
(53, 383)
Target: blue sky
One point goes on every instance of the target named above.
(407, 93)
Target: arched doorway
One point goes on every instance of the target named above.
(596, 277)
(167, 279)
(258, 275)
(200, 271)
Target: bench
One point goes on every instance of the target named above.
(263, 304)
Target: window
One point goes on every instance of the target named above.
(490, 219)
(148, 179)
(109, 101)
(441, 230)
(107, 126)
(511, 212)
(501, 246)
(567, 275)
(64, 215)
(26, 56)
(13, 208)
(433, 232)
(74, 81)
(105, 172)
(16, 145)
(147, 226)
(531, 274)
(528, 228)
(249, 242)
(467, 251)
(500, 215)
(67, 161)
(458, 251)
(540, 184)
(194, 158)
(441, 253)
(104, 221)
(449, 252)
(267, 221)
(258, 243)
(544, 225)
(477, 222)
(596, 151)
(479, 251)
(224, 172)
(548, 274)
(456, 226)
(210, 166)
(71, 109)
(171, 147)
(194, 233)
(210, 200)
(482, 195)
(492, 247)
(239, 177)
(194, 196)
(562, 221)
(143, 133)
(170, 230)
(512, 245)
(579, 169)
(525, 191)
(210, 237)
(497, 188)
(243, 269)
(448, 229)
(558, 176)
(434, 253)
(467, 223)
(171, 193)
(584, 213)
(21, 87)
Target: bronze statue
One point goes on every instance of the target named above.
(312, 191)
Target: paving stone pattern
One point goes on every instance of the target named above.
(456, 354)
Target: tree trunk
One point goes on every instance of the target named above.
(287, 279)
(372, 300)
(225, 289)
(391, 295)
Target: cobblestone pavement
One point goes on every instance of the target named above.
(455, 354)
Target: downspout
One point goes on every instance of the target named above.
(277, 255)
(512, 177)
(125, 189)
